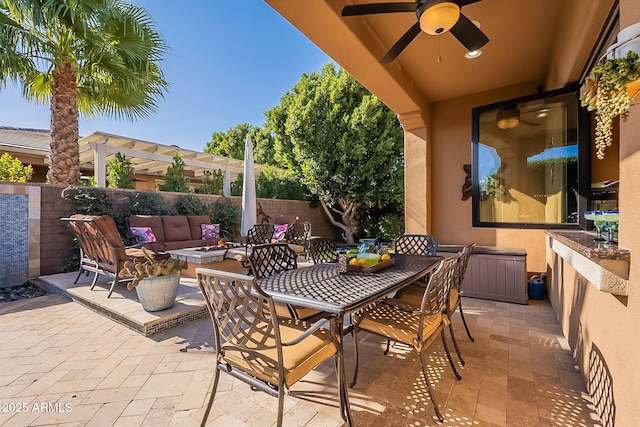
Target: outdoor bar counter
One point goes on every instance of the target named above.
(603, 264)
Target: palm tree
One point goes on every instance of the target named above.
(83, 56)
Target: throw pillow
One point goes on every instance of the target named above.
(210, 231)
(144, 234)
(279, 231)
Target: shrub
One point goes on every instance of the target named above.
(12, 170)
(89, 200)
(145, 203)
(227, 214)
(212, 183)
(191, 205)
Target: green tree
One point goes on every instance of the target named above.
(236, 186)
(342, 142)
(274, 183)
(175, 179)
(231, 143)
(12, 170)
(83, 56)
(120, 172)
(212, 183)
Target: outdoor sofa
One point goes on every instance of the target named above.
(175, 231)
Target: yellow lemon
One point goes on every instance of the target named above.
(353, 261)
(362, 262)
(385, 257)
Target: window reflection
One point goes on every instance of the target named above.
(526, 162)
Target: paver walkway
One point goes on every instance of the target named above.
(63, 364)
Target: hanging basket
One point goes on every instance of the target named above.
(158, 293)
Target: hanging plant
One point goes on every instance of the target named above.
(605, 91)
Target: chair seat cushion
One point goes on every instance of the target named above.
(412, 295)
(302, 312)
(298, 359)
(399, 325)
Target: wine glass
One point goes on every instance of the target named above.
(598, 221)
(611, 219)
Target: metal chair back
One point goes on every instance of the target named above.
(272, 258)
(259, 234)
(298, 233)
(322, 249)
(415, 244)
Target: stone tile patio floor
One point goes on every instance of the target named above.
(64, 364)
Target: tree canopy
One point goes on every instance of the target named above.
(342, 142)
(83, 56)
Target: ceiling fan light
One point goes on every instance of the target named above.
(438, 18)
(508, 123)
(508, 119)
(473, 54)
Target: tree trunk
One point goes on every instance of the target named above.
(64, 157)
(347, 214)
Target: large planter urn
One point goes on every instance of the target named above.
(158, 293)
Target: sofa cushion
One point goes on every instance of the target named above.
(153, 221)
(176, 228)
(279, 232)
(195, 223)
(210, 231)
(144, 234)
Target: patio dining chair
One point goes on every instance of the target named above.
(412, 296)
(273, 258)
(322, 249)
(254, 344)
(418, 327)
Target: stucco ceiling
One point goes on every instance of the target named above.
(530, 40)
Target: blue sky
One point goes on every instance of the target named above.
(230, 61)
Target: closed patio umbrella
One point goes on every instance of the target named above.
(248, 190)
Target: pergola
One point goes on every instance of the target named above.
(150, 158)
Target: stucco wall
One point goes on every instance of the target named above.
(602, 331)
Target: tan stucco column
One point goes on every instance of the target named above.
(417, 178)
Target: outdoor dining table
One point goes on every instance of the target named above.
(322, 287)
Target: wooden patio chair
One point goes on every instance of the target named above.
(322, 249)
(273, 258)
(102, 250)
(253, 343)
(418, 327)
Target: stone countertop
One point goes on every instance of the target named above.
(583, 243)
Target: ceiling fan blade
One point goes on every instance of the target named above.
(401, 43)
(370, 9)
(468, 34)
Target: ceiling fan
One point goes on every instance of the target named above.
(510, 117)
(434, 17)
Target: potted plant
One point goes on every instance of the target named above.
(156, 282)
(606, 91)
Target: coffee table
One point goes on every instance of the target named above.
(215, 259)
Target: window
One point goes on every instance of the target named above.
(531, 162)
